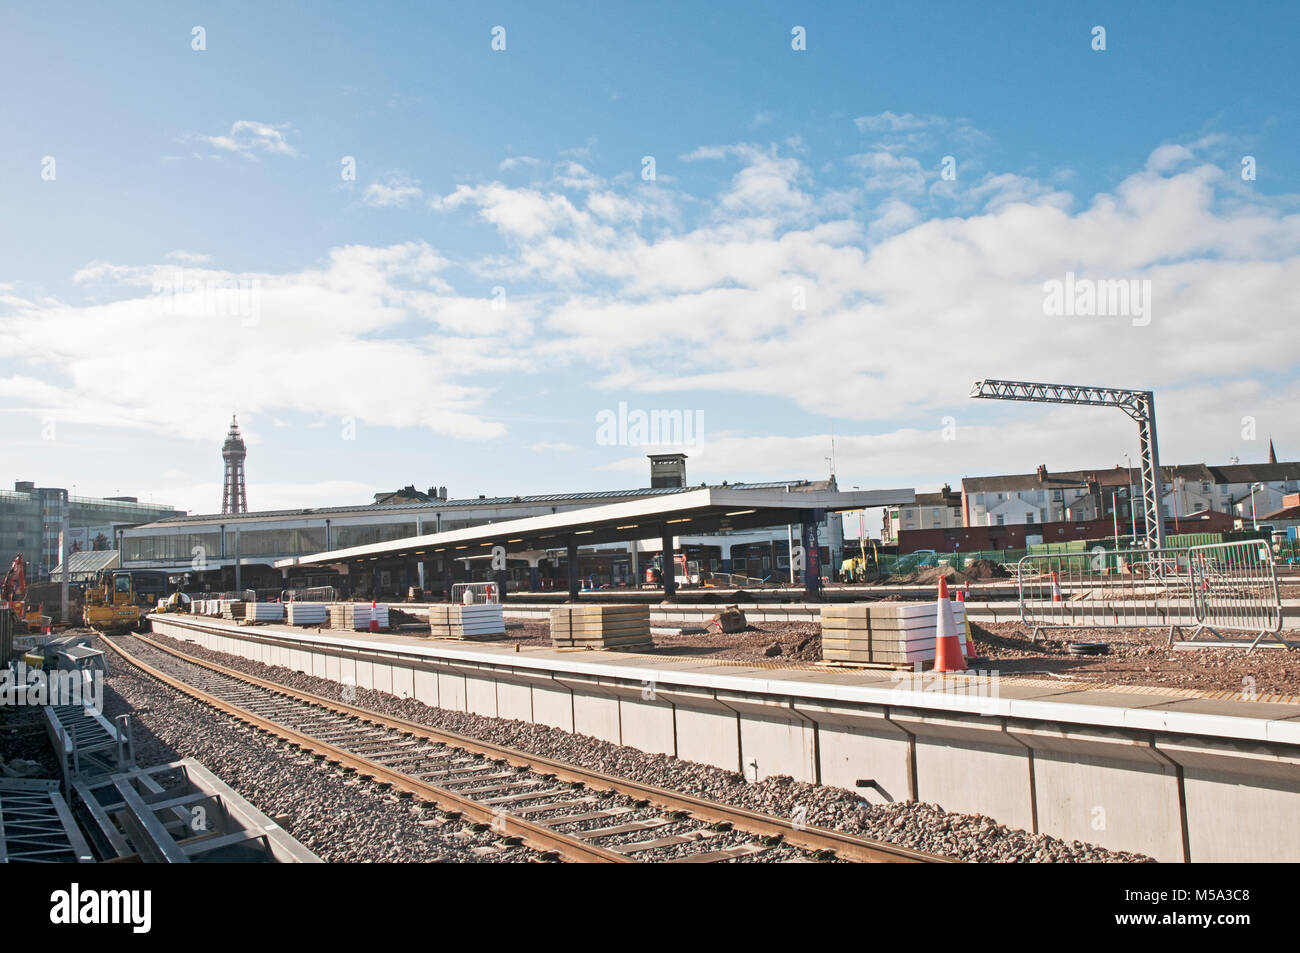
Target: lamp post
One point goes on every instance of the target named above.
(1253, 518)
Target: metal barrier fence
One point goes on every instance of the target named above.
(1127, 588)
(1222, 586)
(311, 594)
(1234, 586)
(475, 593)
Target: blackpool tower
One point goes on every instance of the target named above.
(234, 496)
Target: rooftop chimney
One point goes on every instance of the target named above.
(1042, 473)
(667, 469)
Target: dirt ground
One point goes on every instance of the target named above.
(1138, 657)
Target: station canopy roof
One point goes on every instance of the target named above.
(693, 512)
(87, 563)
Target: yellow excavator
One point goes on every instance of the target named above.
(111, 602)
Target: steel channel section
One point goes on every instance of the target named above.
(811, 838)
(36, 825)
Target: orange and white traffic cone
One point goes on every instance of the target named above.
(947, 644)
(1056, 587)
(374, 622)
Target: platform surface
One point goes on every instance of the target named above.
(1176, 711)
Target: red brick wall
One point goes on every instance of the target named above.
(974, 538)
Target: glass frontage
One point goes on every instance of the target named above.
(346, 537)
(175, 547)
(291, 541)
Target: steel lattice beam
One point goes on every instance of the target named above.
(1138, 404)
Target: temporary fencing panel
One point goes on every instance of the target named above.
(1222, 586)
(1235, 588)
(475, 593)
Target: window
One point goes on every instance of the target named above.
(1029, 517)
(1001, 520)
(739, 565)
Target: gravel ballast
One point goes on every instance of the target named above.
(339, 817)
(919, 826)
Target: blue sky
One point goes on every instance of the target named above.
(375, 351)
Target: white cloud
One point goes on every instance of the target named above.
(574, 175)
(902, 315)
(886, 172)
(902, 307)
(519, 213)
(395, 190)
(888, 121)
(373, 333)
(517, 162)
(247, 138)
(1168, 157)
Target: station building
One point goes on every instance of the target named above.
(31, 518)
(222, 552)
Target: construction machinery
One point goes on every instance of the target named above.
(176, 602)
(111, 604)
(862, 568)
(13, 592)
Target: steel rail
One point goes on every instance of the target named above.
(844, 846)
(534, 835)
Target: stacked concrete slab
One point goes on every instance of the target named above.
(356, 615)
(618, 627)
(884, 633)
(263, 612)
(482, 621)
(231, 609)
(306, 613)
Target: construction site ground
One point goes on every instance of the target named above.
(1137, 657)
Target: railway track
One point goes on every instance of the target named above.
(561, 810)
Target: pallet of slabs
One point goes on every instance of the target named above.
(306, 613)
(356, 616)
(263, 612)
(481, 621)
(892, 634)
(232, 609)
(619, 628)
